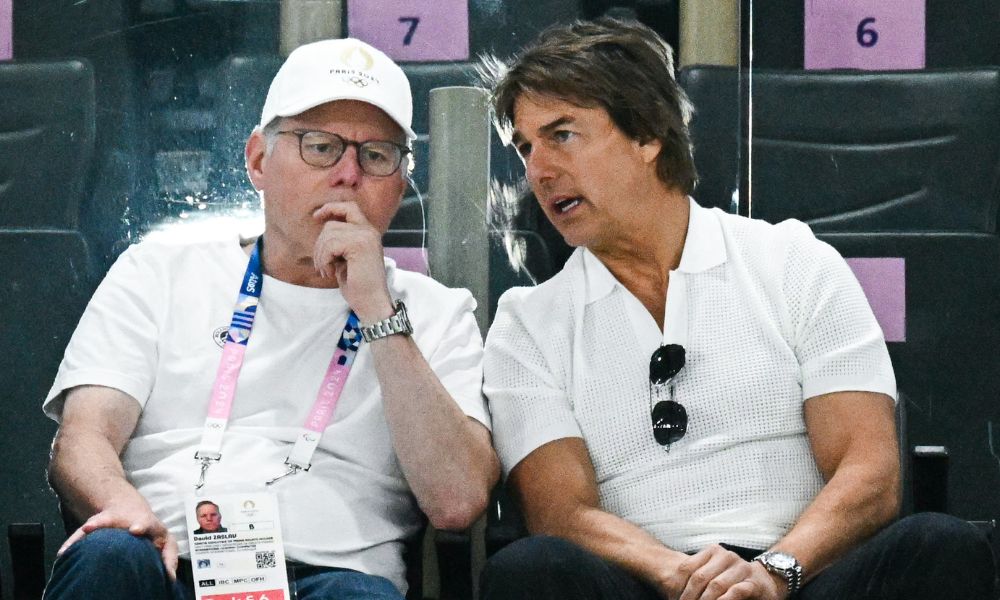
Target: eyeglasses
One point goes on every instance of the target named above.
(323, 149)
(669, 417)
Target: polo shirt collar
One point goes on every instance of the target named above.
(704, 248)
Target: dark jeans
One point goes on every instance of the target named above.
(113, 564)
(926, 556)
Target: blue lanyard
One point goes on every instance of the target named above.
(224, 387)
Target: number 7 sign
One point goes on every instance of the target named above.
(412, 30)
(865, 34)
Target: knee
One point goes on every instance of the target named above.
(936, 540)
(530, 565)
(108, 563)
(113, 548)
(114, 543)
(540, 553)
(944, 534)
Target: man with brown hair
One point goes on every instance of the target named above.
(699, 405)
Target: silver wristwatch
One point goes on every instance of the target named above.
(397, 323)
(783, 565)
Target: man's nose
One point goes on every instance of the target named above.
(539, 167)
(347, 171)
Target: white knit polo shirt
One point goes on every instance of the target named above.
(769, 316)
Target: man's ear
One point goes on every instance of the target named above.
(256, 150)
(650, 149)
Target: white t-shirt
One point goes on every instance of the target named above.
(769, 317)
(152, 330)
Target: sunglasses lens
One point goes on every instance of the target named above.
(666, 362)
(670, 422)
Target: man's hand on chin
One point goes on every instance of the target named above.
(350, 249)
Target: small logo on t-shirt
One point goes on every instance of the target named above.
(219, 335)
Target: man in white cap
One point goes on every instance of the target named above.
(154, 407)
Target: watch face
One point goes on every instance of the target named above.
(781, 561)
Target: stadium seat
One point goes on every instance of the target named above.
(903, 166)
(46, 276)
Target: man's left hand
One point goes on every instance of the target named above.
(350, 249)
(718, 574)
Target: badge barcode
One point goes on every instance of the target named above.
(265, 560)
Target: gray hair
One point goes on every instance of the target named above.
(270, 132)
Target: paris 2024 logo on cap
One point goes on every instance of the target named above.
(357, 63)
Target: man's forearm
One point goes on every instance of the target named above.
(87, 474)
(618, 541)
(854, 505)
(557, 491)
(447, 458)
(860, 463)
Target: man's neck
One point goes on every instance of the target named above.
(641, 259)
(651, 243)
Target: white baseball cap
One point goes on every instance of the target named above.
(344, 69)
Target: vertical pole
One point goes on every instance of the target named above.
(457, 238)
(709, 32)
(305, 21)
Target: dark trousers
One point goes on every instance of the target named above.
(112, 564)
(927, 556)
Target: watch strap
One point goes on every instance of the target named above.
(792, 574)
(398, 323)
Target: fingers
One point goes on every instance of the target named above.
(75, 537)
(331, 246)
(99, 521)
(712, 573)
(340, 272)
(348, 212)
(349, 249)
(169, 553)
(743, 590)
(142, 526)
(158, 533)
(347, 241)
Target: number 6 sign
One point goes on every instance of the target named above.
(412, 30)
(6, 29)
(864, 34)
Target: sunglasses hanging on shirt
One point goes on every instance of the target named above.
(669, 416)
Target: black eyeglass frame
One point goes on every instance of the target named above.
(669, 417)
(402, 151)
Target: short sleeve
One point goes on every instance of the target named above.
(114, 344)
(458, 361)
(838, 342)
(529, 404)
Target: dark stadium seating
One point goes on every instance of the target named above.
(896, 165)
(46, 278)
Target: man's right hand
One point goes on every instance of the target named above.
(87, 473)
(715, 573)
(140, 523)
